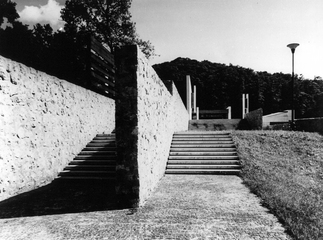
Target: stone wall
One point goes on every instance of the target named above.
(44, 123)
(147, 115)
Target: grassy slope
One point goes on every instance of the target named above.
(286, 170)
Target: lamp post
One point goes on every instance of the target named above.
(292, 47)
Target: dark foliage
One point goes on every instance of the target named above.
(65, 53)
(107, 20)
(8, 11)
(252, 121)
(219, 86)
(54, 53)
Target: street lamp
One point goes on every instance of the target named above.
(292, 47)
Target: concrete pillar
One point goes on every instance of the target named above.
(194, 99)
(189, 96)
(243, 105)
(229, 112)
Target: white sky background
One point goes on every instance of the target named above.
(248, 33)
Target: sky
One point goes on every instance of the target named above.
(248, 33)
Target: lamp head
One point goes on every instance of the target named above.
(293, 46)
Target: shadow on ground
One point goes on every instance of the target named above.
(61, 197)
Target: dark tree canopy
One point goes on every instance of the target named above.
(108, 20)
(8, 11)
(15, 38)
(220, 86)
(64, 53)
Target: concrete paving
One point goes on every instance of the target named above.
(182, 207)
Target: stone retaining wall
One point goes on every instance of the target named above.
(44, 123)
(213, 124)
(147, 115)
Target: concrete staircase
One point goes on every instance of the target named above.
(97, 161)
(203, 153)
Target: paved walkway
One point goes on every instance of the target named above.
(182, 207)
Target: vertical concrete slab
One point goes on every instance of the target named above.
(147, 115)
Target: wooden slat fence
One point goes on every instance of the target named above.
(101, 69)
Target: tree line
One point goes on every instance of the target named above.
(63, 53)
(219, 86)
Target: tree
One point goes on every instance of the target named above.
(108, 20)
(220, 86)
(8, 11)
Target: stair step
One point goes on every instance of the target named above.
(201, 133)
(93, 162)
(111, 178)
(203, 157)
(210, 166)
(202, 145)
(201, 139)
(175, 142)
(106, 135)
(86, 173)
(90, 167)
(96, 153)
(203, 153)
(227, 153)
(107, 148)
(97, 161)
(203, 162)
(109, 142)
(104, 139)
(202, 171)
(201, 136)
(95, 157)
(222, 149)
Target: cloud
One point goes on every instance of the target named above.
(49, 13)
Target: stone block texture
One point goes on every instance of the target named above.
(44, 123)
(147, 115)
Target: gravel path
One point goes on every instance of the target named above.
(182, 207)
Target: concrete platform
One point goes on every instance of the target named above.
(182, 207)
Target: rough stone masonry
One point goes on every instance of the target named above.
(44, 123)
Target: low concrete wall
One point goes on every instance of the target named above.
(309, 125)
(214, 124)
(147, 115)
(44, 123)
(278, 117)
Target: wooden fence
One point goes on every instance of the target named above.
(101, 69)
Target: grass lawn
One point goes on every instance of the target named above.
(285, 169)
